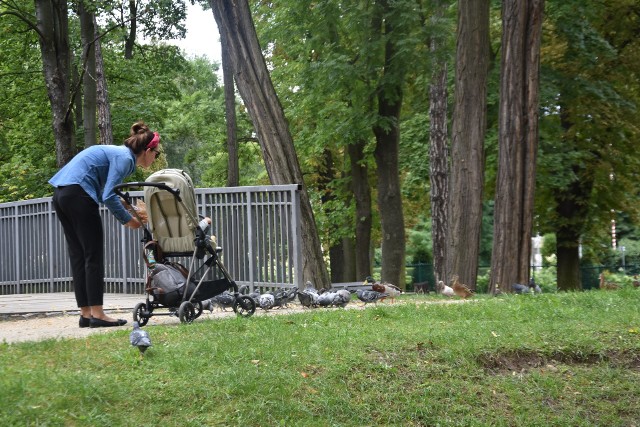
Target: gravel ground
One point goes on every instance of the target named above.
(39, 327)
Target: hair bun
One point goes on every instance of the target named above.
(139, 127)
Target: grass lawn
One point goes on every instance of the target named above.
(529, 360)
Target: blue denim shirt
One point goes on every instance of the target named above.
(97, 169)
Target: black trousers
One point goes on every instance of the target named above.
(80, 218)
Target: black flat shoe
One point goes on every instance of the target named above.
(99, 323)
(84, 322)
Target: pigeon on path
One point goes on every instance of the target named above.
(370, 296)
(139, 338)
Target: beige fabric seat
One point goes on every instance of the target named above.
(172, 222)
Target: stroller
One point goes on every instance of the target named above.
(174, 231)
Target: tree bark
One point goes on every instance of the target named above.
(130, 39)
(105, 128)
(386, 152)
(233, 168)
(573, 210)
(518, 143)
(438, 157)
(467, 145)
(363, 220)
(254, 84)
(87, 35)
(53, 30)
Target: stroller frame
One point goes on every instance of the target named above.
(190, 306)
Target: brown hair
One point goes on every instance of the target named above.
(139, 137)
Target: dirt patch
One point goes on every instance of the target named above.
(526, 360)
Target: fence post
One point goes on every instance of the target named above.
(250, 240)
(297, 249)
(50, 245)
(16, 251)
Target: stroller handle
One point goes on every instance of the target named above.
(117, 189)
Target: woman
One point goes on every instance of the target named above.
(80, 186)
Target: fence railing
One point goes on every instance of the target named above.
(258, 228)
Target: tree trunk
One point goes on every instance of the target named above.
(573, 212)
(254, 84)
(518, 143)
(233, 172)
(467, 144)
(87, 33)
(349, 260)
(438, 157)
(53, 30)
(387, 133)
(130, 39)
(102, 95)
(336, 256)
(363, 220)
(568, 272)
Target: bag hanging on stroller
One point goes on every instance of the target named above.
(167, 281)
(173, 230)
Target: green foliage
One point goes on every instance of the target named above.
(420, 246)
(325, 62)
(589, 118)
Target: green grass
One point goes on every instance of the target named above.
(552, 359)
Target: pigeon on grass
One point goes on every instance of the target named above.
(139, 338)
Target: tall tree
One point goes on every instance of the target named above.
(387, 133)
(52, 26)
(363, 215)
(102, 94)
(89, 82)
(518, 142)
(438, 146)
(255, 86)
(233, 168)
(589, 128)
(467, 144)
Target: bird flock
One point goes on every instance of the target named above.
(309, 297)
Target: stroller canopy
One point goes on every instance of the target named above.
(172, 222)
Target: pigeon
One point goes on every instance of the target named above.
(534, 288)
(255, 294)
(342, 298)
(279, 298)
(325, 299)
(370, 296)
(139, 338)
(266, 301)
(243, 289)
(307, 298)
(290, 295)
(520, 289)
(224, 300)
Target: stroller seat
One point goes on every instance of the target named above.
(171, 222)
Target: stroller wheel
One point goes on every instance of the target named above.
(198, 309)
(140, 314)
(186, 312)
(244, 306)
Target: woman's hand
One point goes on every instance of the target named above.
(133, 223)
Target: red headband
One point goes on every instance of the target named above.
(154, 142)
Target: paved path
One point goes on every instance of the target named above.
(59, 303)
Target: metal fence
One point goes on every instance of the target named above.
(258, 228)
